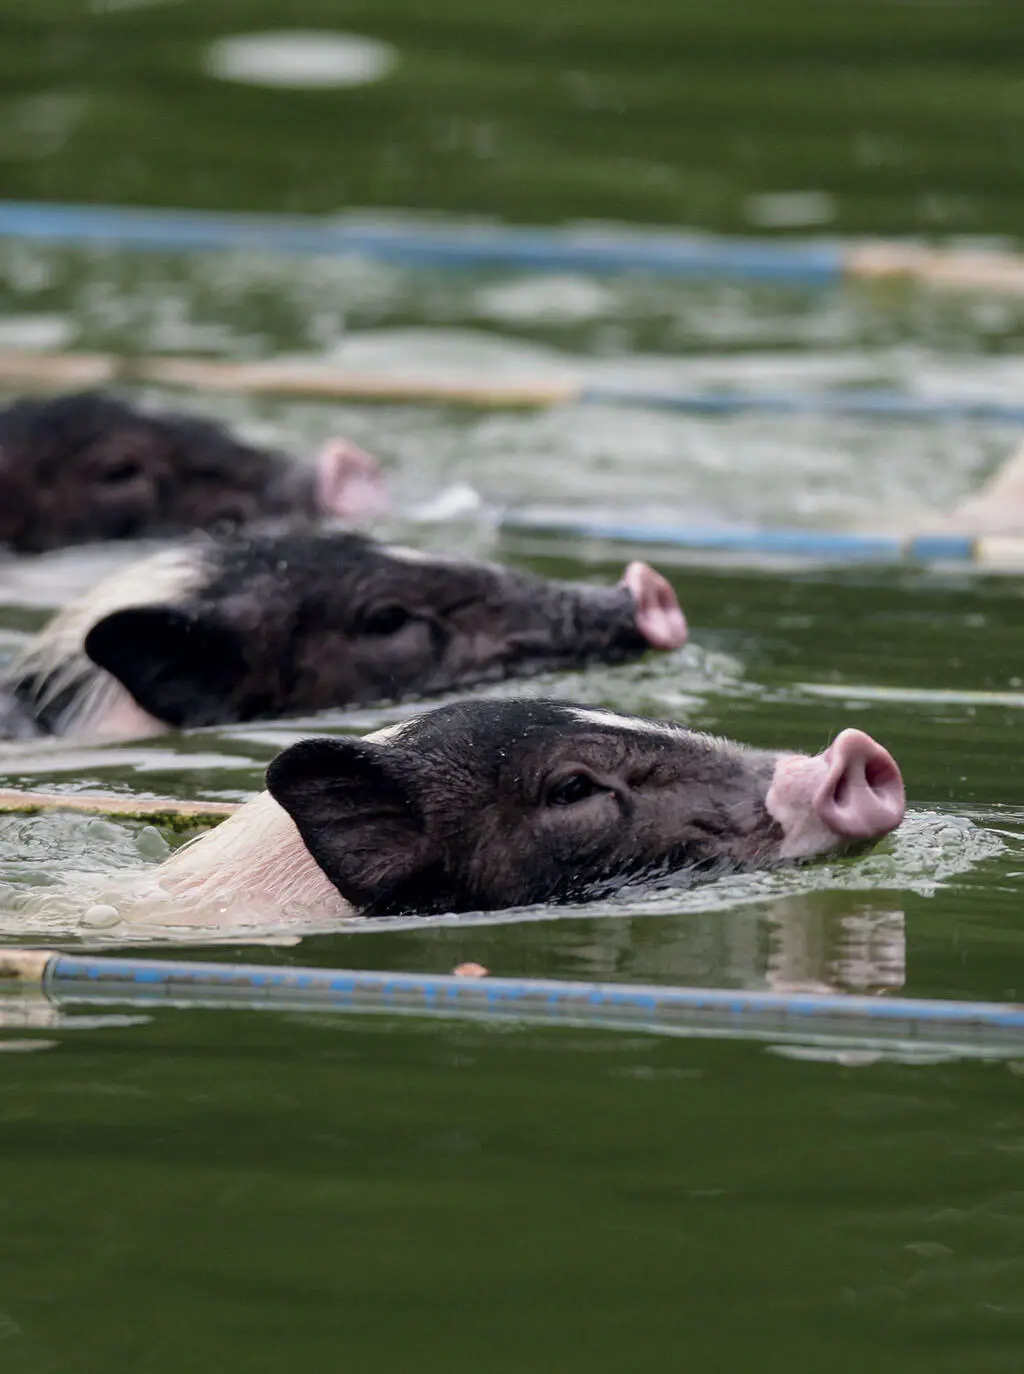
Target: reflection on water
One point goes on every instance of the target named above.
(305, 60)
(859, 951)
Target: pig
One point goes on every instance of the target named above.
(489, 804)
(280, 623)
(87, 467)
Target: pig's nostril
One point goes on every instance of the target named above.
(878, 774)
(841, 792)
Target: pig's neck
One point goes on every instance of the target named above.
(59, 684)
(107, 711)
(77, 698)
(254, 861)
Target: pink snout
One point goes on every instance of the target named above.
(862, 793)
(350, 484)
(852, 791)
(658, 615)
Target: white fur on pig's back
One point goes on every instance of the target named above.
(256, 860)
(103, 709)
(252, 865)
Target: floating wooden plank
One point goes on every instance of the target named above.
(132, 808)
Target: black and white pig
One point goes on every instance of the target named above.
(488, 804)
(86, 467)
(253, 628)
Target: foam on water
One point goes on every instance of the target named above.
(43, 897)
(502, 327)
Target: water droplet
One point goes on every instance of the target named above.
(101, 915)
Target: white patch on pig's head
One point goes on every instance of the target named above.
(54, 677)
(403, 553)
(390, 733)
(699, 740)
(611, 720)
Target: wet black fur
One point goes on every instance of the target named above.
(290, 623)
(458, 813)
(88, 466)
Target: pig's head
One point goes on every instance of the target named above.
(296, 623)
(490, 804)
(89, 467)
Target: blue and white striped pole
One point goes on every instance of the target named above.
(786, 262)
(989, 553)
(451, 246)
(851, 1022)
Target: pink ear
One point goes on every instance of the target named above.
(349, 482)
(658, 615)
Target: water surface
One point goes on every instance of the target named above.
(255, 1192)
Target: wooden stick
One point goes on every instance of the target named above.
(317, 381)
(58, 370)
(313, 381)
(131, 808)
(951, 268)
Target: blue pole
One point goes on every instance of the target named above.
(969, 1027)
(821, 546)
(867, 405)
(454, 246)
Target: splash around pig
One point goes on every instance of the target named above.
(89, 467)
(484, 805)
(255, 628)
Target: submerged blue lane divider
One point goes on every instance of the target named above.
(424, 245)
(868, 405)
(990, 552)
(571, 248)
(967, 1027)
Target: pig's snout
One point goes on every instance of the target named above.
(853, 791)
(862, 794)
(658, 615)
(349, 482)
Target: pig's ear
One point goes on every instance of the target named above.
(184, 669)
(356, 806)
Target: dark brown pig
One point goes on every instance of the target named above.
(259, 627)
(489, 804)
(75, 469)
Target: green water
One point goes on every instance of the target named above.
(191, 1190)
(908, 114)
(265, 1195)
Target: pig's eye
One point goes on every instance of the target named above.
(385, 620)
(125, 471)
(577, 787)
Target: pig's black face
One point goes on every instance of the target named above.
(87, 467)
(486, 805)
(291, 623)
